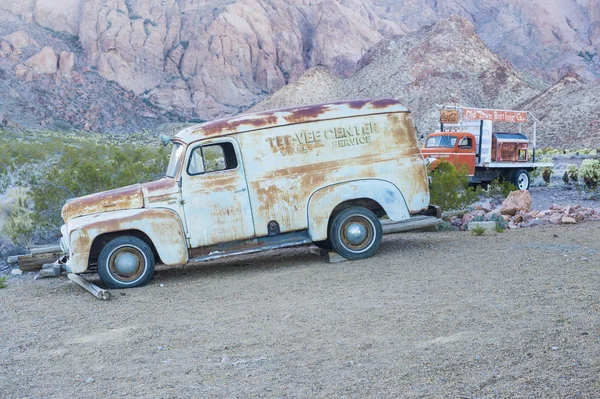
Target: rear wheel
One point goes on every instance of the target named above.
(355, 233)
(521, 179)
(126, 262)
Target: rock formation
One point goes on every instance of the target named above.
(227, 54)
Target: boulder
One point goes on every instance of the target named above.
(568, 220)
(20, 39)
(516, 201)
(66, 61)
(24, 73)
(44, 62)
(5, 47)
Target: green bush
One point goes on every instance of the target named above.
(19, 225)
(500, 189)
(83, 171)
(57, 167)
(547, 174)
(450, 187)
(477, 231)
(573, 173)
(590, 172)
(500, 224)
(3, 282)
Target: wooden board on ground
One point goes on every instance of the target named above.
(35, 262)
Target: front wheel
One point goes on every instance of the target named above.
(126, 262)
(521, 179)
(355, 233)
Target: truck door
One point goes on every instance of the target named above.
(215, 194)
(465, 153)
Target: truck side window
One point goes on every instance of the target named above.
(466, 143)
(212, 158)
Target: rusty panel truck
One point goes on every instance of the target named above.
(466, 138)
(321, 174)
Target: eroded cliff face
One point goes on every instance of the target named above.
(205, 59)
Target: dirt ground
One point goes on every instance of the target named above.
(443, 315)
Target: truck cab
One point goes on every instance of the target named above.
(458, 148)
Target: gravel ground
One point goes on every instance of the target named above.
(445, 315)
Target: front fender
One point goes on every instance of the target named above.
(323, 201)
(162, 226)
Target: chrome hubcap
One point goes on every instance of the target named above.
(126, 263)
(356, 233)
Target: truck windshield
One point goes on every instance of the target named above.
(441, 141)
(175, 160)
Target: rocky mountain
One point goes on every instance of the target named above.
(202, 59)
(45, 83)
(421, 70)
(569, 112)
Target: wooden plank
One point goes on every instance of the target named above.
(89, 287)
(30, 262)
(45, 250)
(454, 213)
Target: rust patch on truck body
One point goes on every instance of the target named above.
(287, 116)
(129, 197)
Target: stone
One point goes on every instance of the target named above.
(542, 214)
(21, 71)
(579, 217)
(568, 220)
(66, 61)
(334, 257)
(6, 48)
(518, 219)
(20, 39)
(516, 201)
(16, 272)
(44, 62)
(533, 222)
(556, 207)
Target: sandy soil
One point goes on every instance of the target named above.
(446, 315)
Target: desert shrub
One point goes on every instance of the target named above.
(57, 167)
(83, 171)
(450, 187)
(500, 224)
(18, 224)
(573, 173)
(477, 231)
(547, 174)
(590, 172)
(499, 189)
(3, 282)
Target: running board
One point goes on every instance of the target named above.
(415, 223)
(253, 245)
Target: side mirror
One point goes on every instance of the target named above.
(165, 140)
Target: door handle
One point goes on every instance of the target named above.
(241, 190)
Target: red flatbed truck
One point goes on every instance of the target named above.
(466, 138)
